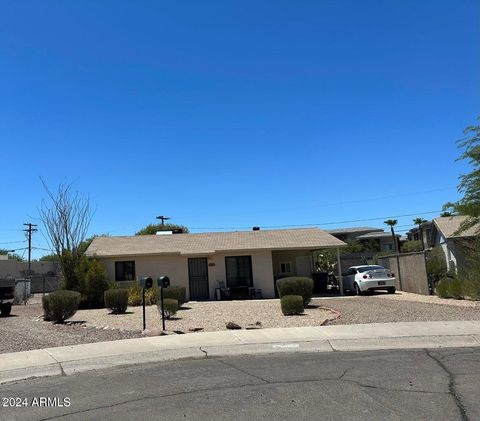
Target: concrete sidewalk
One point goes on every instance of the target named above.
(68, 360)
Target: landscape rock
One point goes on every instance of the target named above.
(195, 329)
(232, 326)
(153, 332)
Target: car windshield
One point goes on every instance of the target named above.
(366, 268)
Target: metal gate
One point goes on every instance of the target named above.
(198, 278)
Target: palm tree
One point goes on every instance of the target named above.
(418, 222)
(392, 223)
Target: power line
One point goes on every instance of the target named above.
(323, 223)
(14, 242)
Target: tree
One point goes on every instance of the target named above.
(469, 184)
(11, 255)
(412, 246)
(151, 229)
(391, 223)
(66, 218)
(419, 222)
(49, 258)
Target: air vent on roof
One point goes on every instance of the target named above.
(164, 232)
(256, 228)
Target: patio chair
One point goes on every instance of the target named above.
(224, 290)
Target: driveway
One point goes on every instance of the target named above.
(401, 307)
(380, 385)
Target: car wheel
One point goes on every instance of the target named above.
(357, 289)
(391, 290)
(6, 309)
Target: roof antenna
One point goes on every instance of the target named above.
(163, 219)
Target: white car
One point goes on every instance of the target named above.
(365, 278)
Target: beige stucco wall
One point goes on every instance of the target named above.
(261, 268)
(176, 268)
(283, 256)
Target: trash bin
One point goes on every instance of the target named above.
(23, 289)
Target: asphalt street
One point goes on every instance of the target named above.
(437, 384)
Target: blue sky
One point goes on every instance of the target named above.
(234, 114)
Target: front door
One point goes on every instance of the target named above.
(198, 278)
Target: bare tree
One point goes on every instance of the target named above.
(66, 216)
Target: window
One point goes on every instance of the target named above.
(366, 268)
(239, 271)
(125, 271)
(285, 267)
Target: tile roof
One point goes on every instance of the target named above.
(207, 243)
(448, 225)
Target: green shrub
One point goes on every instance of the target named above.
(412, 246)
(170, 307)
(177, 293)
(60, 305)
(296, 286)
(450, 288)
(151, 295)
(471, 282)
(135, 296)
(436, 264)
(93, 282)
(116, 300)
(292, 304)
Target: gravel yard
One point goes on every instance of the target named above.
(22, 332)
(400, 307)
(209, 316)
(25, 330)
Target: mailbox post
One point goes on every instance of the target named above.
(163, 282)
(145, 283)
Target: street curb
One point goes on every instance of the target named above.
(69, 360)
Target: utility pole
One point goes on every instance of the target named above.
(30, 230)
(163, 219)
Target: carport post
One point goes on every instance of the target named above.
(339, 267)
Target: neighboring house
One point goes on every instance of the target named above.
(203, 262)
(383, 239)
(426, 232)
(443, 233)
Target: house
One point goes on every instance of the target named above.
(443, 233)
(362, 234)
(424, 233)
(203, 262)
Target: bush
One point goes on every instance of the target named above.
(412, 246)
(296, 286)
(176, 293)
(93, 282)
(116, 300)
(151, 295)
(436, 264)
(135, 296)
(170, 307)
(292, 304)
(60, 305)
(450, 288)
